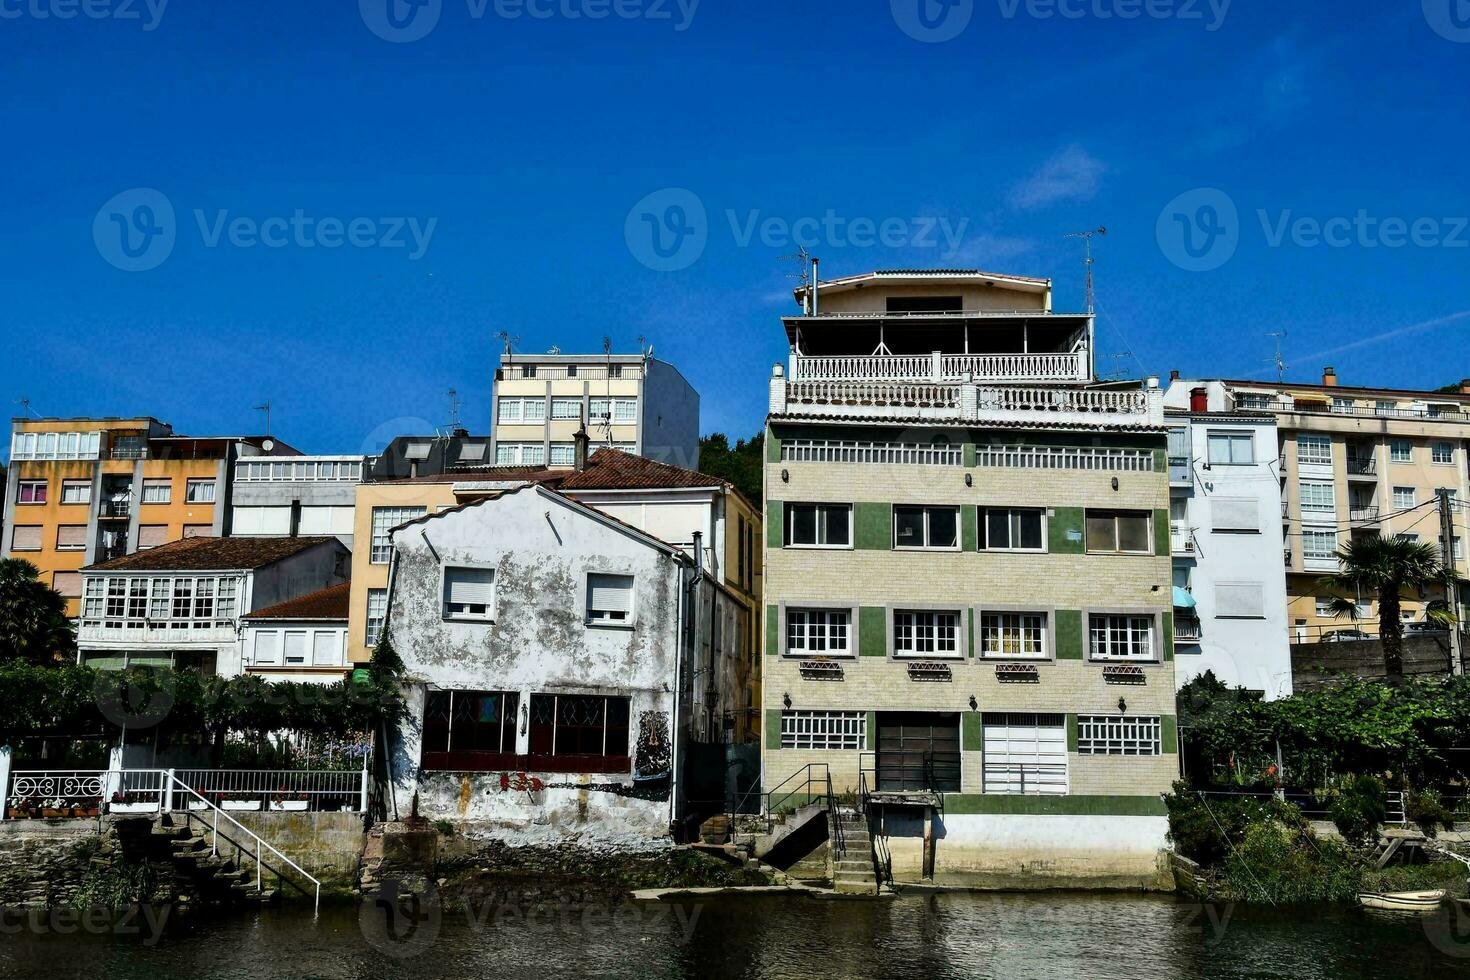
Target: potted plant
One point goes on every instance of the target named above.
(92, 808)
(239, 804)
(287, 800)
(124, 802)
(21, 808)
(196, 804)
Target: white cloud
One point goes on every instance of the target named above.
(1072, 174)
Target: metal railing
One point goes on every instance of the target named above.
(1187, 629)
(54, 789)
(1361, 465)
(1314, 804)
(939, 367)
(314, 790)
(1026, 778)
(145, 790)
(881, 857)
(839, 451)
(115, 508)
(1065, 458)
(1365, 513)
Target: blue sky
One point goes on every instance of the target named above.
(520, 149)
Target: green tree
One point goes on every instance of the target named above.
(33, 623)
(743, 464)
(1389, 567)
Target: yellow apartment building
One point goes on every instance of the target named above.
(87, 490)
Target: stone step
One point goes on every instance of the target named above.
(190, 845)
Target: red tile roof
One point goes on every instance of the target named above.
(329, 603)
(613, 469)
(211, 554)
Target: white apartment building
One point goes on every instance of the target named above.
(630, 402)
(1226, 539)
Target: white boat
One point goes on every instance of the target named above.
(1402, 901)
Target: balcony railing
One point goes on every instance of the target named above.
(1181, 539)
(1187, 629)
(1367, 512)
(875, 395)
(1065, 458)
(1361, 466)
(938, 367)
(97, 631)
(115, 508)
(1179, 470)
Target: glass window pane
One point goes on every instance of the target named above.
(1101, 533)
(943, 527)
(1132, 532)
(908, 527)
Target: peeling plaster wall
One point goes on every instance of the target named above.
(542, 549)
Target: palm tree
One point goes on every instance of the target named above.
(1388, 567)
(33, 623)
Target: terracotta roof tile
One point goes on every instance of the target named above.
(613, 469)
(211, 554)
(329, 603)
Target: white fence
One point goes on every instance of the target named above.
(1065, 458)
(61, 793)
(838, 451)
(938, 367)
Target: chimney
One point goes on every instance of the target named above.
(816, 282)
(1173, 376)
(1329, 377)
(1199, 399)
(579, 453)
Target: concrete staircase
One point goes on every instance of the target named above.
(218, 880)
(852, 871)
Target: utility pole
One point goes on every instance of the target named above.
(1451, 589)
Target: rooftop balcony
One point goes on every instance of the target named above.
(938, 367)
(964, 402)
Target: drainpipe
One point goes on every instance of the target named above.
(687, 638)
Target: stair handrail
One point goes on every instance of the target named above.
(835, 832)
(806, 784)
(260, 842)
(879, 854)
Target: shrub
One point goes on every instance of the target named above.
(1358, 809)
(1427, 810)
(1285, 865)
(1203, 829)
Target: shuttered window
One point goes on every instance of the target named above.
(1235, 514)
(26, 537)
(326, 651)
(1240, 600)
(152, 535)
(1025, 753)
(295, 648)
(71, 537)
(268, 647)
(69, 584)
(469, 593)
(609, 598)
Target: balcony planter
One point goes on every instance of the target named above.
(86, 811)
(197, 805)
(293, 805)
(19, 813)
(239, 804)
(132, 808)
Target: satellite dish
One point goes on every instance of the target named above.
(267, 444)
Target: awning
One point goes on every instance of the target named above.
(1182, 598)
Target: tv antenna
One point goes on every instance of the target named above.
(25, 406)
(1118, 372)
(1280, 364)
(266, 408)
(454, 420)
(1086, 237)
(509, 341)
(806, 276)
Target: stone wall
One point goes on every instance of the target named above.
(327, 845)
(1314, 664)
(43, 864)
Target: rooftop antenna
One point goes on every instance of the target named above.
(1118, 372)
(509, 341)
(1086, 237)
(806, 276)
(454, 420)
(266, 408)
(25, 406)
(1280, 364)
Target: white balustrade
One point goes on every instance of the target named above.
(1059, 367)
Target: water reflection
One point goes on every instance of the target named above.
(930, 936)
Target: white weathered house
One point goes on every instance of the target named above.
(302, 639)
(548, 647)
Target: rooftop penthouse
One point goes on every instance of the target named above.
(947, 346)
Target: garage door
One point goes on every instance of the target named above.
(1025, 753)
(919, 751)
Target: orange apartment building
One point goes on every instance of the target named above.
(87, 490)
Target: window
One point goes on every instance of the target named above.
(1253, 402)
(25, 537)
(1319, 544)
(76, 491)
(326, 648)
(267, 648)
(469, 593)
(609, 599)
(54, 445)
(1318, 496)
(158, 491)
(1411, 538)
(294, 647)
(1443, 452)
(199, 492)
(1343, 406)
(1404, 497)
(1324, 608)
(926, 527)
(563, 454)
(1021, 635)
(528, 370)
(614, 371)
(31, 492)
(1238, 514)
(71, 537)
(1119, 735)
(581, 726)
(1385, 408)
(1401, 451)
(571, 370)
(385, 519)
(532, 410)
(1121, 637)
(198, 531)
(460, 722)
(1313, 449)
(618, 410)
(1011, 529)
(1240, 600)
(1232, 448)
(1024, 753)
(1459, 551)
(818, 632)
(566, 408)
(520, 454)
(823, 730)
(819, 525)
(918, 633)
(1118, 532)
(377, 614)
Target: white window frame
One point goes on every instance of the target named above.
(563, 454)
(1024, 753)
(520, 454)
(193, 488)
(1120, 735)
(1132, 626)
(380, 548)
(1405, 498)
(1232, 440)
(85, 486)
(822, 631)
(824, 730)
(1445, 458)
(924, 627)
(1314, 450)
(1394, 456)
(377, 617)
(1031, 628)
(609, 617)
(152, 486)
(1311, 538)
(983, 528)
(1315, 505)
(563, 409)
(22, 486)
(926, 545)
(822, 524)
(446, 608)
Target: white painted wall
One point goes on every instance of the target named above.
(1251, 652)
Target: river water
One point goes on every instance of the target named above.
(1005, 936)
